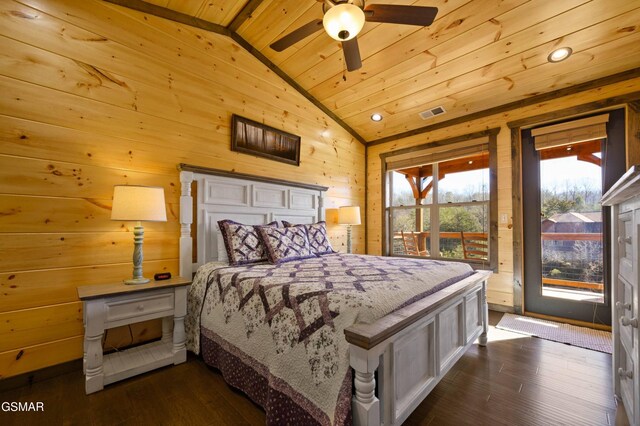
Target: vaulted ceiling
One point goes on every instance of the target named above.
(477, 55)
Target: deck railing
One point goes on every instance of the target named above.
(567, 236)
(422, 237)
(545, 236)
(558, 236)
(452, 235)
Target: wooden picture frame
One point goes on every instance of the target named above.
(251, 137)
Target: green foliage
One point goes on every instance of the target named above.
(456, 219)
(452, 219)
(555, 205)
(405, 220)
(455, 253)
(570, 199)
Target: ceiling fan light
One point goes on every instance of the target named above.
(343, 21)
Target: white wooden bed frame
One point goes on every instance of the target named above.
(411, 349)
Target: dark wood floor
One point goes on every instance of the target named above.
(515, 381)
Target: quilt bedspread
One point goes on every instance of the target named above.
(283, 324)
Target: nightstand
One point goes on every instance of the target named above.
(113, 305)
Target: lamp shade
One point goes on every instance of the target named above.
(343, 21)
(140, 203)
(349, 215)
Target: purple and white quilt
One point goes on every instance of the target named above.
(276, 332)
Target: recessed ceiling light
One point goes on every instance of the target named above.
(560, 54)
(376, 117)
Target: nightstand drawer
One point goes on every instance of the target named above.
(143, 306)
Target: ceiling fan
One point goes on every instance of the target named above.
(343, 20)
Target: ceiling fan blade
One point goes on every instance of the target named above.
(399, 14)
(352, 54)
(296, 35)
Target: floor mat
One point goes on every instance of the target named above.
(583, 337)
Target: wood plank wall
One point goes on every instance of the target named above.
(96, 95)
(501, 284)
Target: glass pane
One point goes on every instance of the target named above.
(464, 179)
(571, 238)
(408, 237)
(465, 223)
(402, 192)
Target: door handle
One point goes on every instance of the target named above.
(624, 240)
(625, 374)
(626, 306)
(633, 322)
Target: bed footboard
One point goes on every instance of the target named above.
(413, 348)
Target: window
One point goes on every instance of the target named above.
(440, 202)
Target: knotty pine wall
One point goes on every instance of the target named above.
(501, 284)
(95, 95)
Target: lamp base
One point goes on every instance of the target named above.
(141, 280)
(138, 237)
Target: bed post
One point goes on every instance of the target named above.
(186, 218)
(482, 339)
(365, 405)
(321, 215)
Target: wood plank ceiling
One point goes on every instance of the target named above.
(477, 55)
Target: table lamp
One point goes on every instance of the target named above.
(349, 215)
(138, 203)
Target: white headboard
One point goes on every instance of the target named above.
(243, 198)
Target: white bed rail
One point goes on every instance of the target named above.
(413, 348)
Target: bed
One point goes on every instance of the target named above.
(331, 339)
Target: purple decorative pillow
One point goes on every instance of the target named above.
(318, 238)
(242, 242)
(285, 244)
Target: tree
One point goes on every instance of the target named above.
(456, 219)
(404, 220)
(556, 204)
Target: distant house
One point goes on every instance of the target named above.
(573, 222)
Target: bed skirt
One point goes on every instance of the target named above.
(282, 404)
